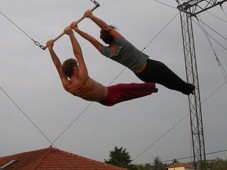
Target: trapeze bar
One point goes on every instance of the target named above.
(60, 35)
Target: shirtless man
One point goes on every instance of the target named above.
(75, 79)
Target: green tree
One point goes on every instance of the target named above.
(158, 165)
(217, 164)
(175, 161)
(119, 157)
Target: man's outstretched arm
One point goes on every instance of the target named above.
(77, 52)
(57, 63)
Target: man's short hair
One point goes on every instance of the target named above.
(68, 67)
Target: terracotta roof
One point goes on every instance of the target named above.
(52, 158)
(178, 165)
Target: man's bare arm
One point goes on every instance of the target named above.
(77, 52)
(57, 63)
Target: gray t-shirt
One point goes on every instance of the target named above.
(125, 54)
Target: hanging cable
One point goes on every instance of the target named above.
(213, 30)
(223, 10)
(72, 122)
(215, 16)
(36, 42)
(175, 125)
(162, 136)
(165, 4)
(26, 115)
(211, 36)
(160, 31)
(59, 36)
(188, 157)
(215, 91)
(224, 73)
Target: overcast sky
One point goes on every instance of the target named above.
(32, 97)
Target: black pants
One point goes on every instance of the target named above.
(158, 72)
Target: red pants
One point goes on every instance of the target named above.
(123, 92)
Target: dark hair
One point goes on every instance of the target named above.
(68, 66)
(105, 35)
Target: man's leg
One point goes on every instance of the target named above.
(124, 92)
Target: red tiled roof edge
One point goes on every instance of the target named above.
(38, 156)
(72, 154)
(185, 165)
(49, 150)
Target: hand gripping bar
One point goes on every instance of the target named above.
(60, 35)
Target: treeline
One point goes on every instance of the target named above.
(121, 158)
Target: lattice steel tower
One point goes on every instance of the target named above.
(189, 9)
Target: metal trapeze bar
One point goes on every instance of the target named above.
(60, 35)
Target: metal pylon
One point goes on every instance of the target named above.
(196, 122)
(189, 9)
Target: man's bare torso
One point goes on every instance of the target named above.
(87, 89)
